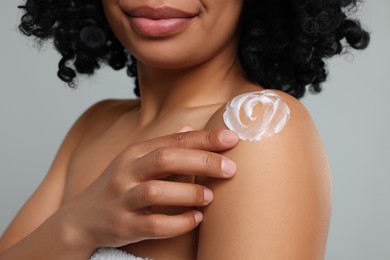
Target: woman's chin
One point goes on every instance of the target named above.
(167, 62)
(164, 65)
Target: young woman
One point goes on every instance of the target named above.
(209, 162)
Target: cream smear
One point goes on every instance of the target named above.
(271, 119)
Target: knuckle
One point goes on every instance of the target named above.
(119, 162)
(180, 140)
(151, 192)
(209, 161)
(198, 194)
(207, 138)
(154, 226)
(130, 151)
(161, 157)
(116, 182)
(118, 166)
(210, 138)
(118, 224)
(115, 185)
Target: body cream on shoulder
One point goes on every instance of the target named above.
(256, 115)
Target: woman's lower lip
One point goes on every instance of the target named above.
(158, 28)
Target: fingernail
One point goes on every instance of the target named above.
(229, 168)
(228, 137)
(198, 217)
(208, 195)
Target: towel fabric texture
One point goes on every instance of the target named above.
(114, 254)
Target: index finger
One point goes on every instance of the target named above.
(208, 140)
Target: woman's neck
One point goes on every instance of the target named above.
(164, 91)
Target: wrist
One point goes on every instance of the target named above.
(72, 233)
(53, 239)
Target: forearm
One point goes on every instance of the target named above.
(54, 239)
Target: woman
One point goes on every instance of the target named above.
(154, 176)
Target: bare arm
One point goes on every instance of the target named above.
(44, 202)
(278, 205)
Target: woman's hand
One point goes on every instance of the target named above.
(113, 210)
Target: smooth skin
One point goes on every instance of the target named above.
(122, 179)
(278, 205)
(119, 197)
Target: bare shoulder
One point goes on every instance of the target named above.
(256, 101)
(274, 127)
(103, 113)
(278, 204)
(270, 122)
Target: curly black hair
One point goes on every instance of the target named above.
(283, 43)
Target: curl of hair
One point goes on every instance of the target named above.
(283, 43)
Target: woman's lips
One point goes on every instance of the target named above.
(158, 22)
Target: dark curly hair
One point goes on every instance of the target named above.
(283, 43)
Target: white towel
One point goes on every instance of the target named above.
(114, 254)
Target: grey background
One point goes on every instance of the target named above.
(352, 115)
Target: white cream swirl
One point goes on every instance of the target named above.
(256, 115)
